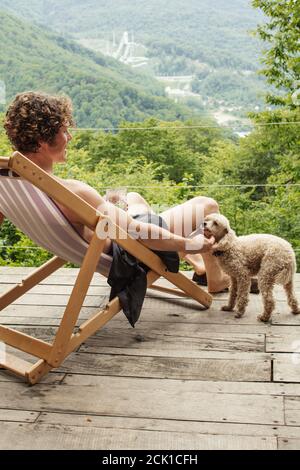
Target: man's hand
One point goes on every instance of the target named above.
(199, 244)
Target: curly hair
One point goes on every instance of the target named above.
(33, 118)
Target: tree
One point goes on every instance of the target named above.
(282, 58)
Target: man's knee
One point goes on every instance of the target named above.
(209, 204)
(134, 198)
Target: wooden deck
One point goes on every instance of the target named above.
(182, 379)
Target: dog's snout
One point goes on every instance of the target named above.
(205, 224)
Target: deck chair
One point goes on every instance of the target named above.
(28, 201)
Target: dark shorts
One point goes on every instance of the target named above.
(170, 258)
(152, 219)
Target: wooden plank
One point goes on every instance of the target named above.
(114, 341)
(286, 319)
(169, 367)
(281, 304)
(292, 410)
(212, 355)
(27, 270)
(144, 325)
(54, 279)
(289, 343)
(116, 422)
(158, 311)
(119, 396)
(47, 289)
(43, 437)
(286, 367)
(4, 269)
(23, 321)
(53, 378)
(216, 387)
(191, 272)
(31, 311)
(120, 342)
(189, 329)
(288, 444)
(56, 300)
(71, 273)
(167, 339)
(18, 416)
(186, 310)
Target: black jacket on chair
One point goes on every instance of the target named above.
(128, 276)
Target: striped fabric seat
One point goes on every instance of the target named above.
(36, 215)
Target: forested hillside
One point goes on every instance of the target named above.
(104, 91)
(209, 39)
(212, 31)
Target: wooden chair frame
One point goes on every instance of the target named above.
(66, 341)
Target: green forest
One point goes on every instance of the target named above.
(256, 179)
(169, 166)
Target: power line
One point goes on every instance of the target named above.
(164, 128)
(210, 185)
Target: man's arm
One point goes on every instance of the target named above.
(152, 236)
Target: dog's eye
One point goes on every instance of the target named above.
(216, 223)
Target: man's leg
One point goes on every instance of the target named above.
(137, 205)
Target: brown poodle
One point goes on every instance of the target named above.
(269, 258)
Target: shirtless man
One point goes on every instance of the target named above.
(38, 126)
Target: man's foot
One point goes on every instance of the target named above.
(214, 287)
(196, 261)
(200, 279)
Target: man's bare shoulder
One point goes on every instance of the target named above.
(83, 190)
(76, 186)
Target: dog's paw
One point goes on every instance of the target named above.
(227, 308)
(263, 318)
(238, 315)
(296, 312)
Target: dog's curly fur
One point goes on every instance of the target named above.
(268, 257)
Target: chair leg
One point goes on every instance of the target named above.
(37, 372)
(72, 311)
(168, 290)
